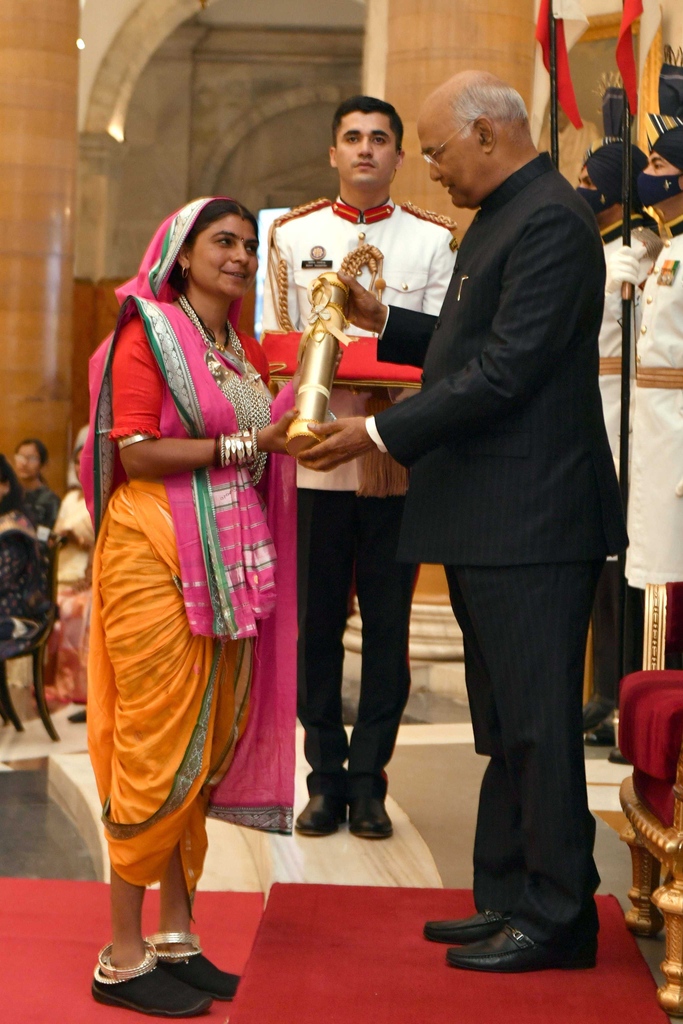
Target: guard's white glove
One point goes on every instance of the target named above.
(679, 488)
(622, 266)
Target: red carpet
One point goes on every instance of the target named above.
(51, 932)
(350, 955)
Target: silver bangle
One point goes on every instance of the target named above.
(135, 439)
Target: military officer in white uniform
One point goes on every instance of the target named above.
(655, 508)
(344, 536)
(600, 184)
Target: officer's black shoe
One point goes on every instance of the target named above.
(199, 973)
(321, 816)
(155, 993)
(368, 818)
(596, 711)
(466, 929)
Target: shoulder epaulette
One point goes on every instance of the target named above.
(652, 242)
(301, 211)
(433, 218)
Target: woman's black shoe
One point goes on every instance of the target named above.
(201, 975)
(153, 993)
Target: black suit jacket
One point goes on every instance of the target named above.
(506, 442)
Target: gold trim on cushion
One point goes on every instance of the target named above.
(654, 640)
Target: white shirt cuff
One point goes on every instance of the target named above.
(386, 321)
(373, 433)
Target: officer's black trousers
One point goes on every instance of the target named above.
(339, 534)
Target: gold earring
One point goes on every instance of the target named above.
(185, 271)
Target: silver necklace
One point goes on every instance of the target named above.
(247, 393)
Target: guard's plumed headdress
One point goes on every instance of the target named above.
(603, 159)
(665, 129)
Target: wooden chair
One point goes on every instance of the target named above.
(651, 737)
(36, 648)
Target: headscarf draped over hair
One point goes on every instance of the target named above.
(152, 279)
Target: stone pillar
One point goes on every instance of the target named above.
(99, 180)
(38, 95)
(430, 40)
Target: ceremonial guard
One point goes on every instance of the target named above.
(600, 184)
(655, 509)
(348, 521)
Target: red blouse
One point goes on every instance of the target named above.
(138, 387)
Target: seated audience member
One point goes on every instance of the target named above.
(68, 647)
(23, 599)
(40, 503)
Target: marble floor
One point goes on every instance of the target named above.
(434, 778)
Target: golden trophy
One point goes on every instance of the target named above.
(319, 347)
(318, 358)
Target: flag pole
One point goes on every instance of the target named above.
(627, 305)
(554, 131)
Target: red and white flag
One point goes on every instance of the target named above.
(626, 61)
(563, 11)
(650, 21)
(571, 24)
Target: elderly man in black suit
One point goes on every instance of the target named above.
(513, 489)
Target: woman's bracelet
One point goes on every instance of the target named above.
(236, 449)
(134, 439)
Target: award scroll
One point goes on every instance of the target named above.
(318, 358)
(319, 348)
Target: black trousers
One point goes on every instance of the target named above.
(340, 533)
(525, 631)
(606, 633)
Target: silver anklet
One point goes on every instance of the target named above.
(107, 974)
(175, 939)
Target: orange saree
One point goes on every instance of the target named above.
(165, 707)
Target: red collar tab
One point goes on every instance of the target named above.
(355, 216)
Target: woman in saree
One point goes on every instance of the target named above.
(191, 676)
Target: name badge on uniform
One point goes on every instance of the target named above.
(317, 260)
(668, 272)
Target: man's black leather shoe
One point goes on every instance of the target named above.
(596, 711)
(511, 952)
(368, 818)
(321, 816)
(601, 736)
(466, 929)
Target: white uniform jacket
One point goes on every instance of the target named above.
(418, 264)
(610, 332)
(655, 511)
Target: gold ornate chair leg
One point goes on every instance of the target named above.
(669, 899)
(644, 918)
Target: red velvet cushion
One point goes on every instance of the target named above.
(651, 721)
(674, 618)
(657, 795)
(359, 362)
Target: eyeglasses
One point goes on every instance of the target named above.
(433, 158)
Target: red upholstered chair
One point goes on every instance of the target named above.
(651, 737)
